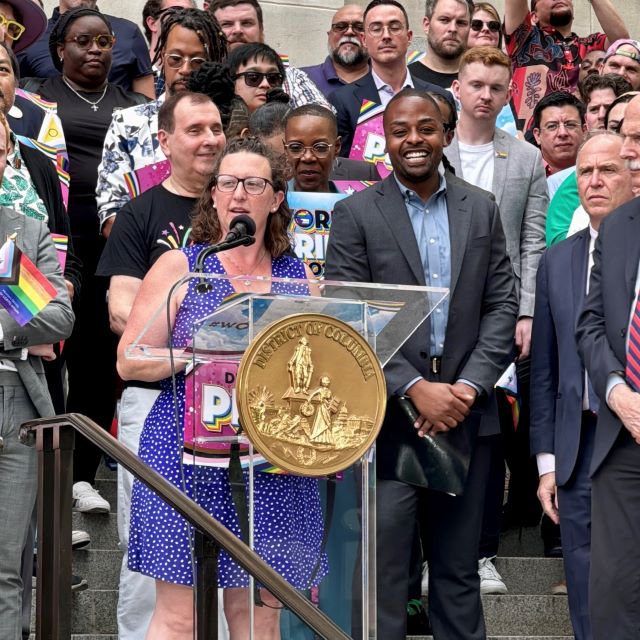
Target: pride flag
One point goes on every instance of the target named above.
(24, 290)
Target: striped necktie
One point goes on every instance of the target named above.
(633, 350)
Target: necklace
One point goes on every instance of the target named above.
(94, 105)
(239, 268)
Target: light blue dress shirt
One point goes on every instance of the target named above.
(430, 222)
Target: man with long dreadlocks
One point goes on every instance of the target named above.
(188, 38)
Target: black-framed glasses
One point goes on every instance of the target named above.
(104, 41)
(253, 185)
(175, 61)
(319, 149)
(13, 29)
(255, 78)
(492, 25)
(342, 27)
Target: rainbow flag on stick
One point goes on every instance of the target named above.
(24, 290)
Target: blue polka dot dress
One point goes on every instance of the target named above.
(288, 521)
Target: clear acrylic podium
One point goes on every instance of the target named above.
(342, 580)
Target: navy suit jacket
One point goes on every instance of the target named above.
(347, 101)
(557, 373)
(603, 325)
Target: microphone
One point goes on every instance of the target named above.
(240, 226)
(241, 232)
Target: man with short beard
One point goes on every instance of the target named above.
(545, 53)
(348, 60)
(446, 24)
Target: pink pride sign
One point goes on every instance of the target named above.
(368, 139)
(211, 417)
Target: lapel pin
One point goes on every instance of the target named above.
(501, 154)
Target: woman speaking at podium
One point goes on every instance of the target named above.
(248, 180)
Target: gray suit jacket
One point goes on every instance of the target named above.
(52, 324)
(520, 189)
(372, 240)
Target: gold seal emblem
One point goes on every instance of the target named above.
(311, 394)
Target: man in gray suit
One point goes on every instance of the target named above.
(25, 396)
(417, 228)
(513, 171)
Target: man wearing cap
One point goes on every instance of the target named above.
(545, 53)
(131, 65)
(623, 59)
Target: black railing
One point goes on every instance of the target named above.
(54, 440)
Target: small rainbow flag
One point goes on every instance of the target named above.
(24, 290)
(61, 243)
(369, 110)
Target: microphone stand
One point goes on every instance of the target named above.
(203, 285)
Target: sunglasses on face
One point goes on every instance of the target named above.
(103, 41)
(492, 25)
(255, 78)
(343, 27)
(13, 29)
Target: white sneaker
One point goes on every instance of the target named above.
(490, 580)
(80, 539)
(88, 500)
(424, 584)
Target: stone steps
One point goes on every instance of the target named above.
(527, 612)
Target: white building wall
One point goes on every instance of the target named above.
(298, 27)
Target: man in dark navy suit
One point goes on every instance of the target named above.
(386, 37)
(563, 404)
(607, 336)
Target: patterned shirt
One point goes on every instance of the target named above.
(302, 90)
(17, 190)
(131, 143)
(545, 61)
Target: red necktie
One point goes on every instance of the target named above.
(633, 351)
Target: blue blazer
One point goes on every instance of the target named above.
(557, 372)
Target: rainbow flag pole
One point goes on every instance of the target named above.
(24, 289)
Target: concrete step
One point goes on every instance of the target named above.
(533, 576)
(102, 527)
(509, 616)
(523, 576)
(100, 568)
(522, 615)
(525, 542)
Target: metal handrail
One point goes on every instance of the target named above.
(187, 508)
